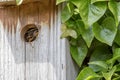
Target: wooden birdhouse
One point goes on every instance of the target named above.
(30, 44)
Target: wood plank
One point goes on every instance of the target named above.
(44, 59)
(71, 67)
(11, 54)
(13, 2)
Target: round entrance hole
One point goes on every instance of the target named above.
(29, 33)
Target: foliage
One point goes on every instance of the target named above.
(18, 2)
(93, 30)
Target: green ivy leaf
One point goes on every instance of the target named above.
(67, 12)
(101, 53)
(63, 28)
(90, 13)
(114, 47)
(117, 38)
(93, 1)
(76, 3)
(118, 67)
(18, 2)
(60, 1)
(87, 34)
(106, 31)
(69, 32)
(118, 78)
(115, 9)
(116, 56)
(73, 42)
(108, 75)
(87, 74)
(72, 25)
(117, 53)
(79, 53)
(102, 64)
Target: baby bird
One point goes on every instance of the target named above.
(31, 34)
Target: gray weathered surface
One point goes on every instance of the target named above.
(71, 67)
(47, 58)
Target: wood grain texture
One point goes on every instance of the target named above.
(13, 2)
(44, 59)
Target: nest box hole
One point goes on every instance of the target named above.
(29, 33)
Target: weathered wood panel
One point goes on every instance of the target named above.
(47, 58)
(13, 2)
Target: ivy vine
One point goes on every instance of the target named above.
(93, 30)
(18, 2)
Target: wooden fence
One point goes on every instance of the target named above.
(45, 58)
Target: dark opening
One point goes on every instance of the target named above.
(29, 33)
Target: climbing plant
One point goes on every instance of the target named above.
(93, 31)
(18, 2)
